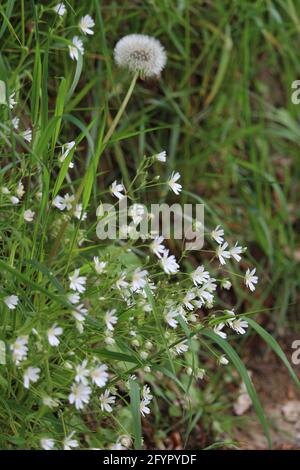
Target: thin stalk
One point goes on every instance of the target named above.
(106, 139)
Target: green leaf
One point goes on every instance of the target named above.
(6, 16)
(76, 78)
(169, 374)
(59, 109)
(117, 356)
(36, 85)
(92, 169)
(136, 414)
(238, 364)
(275, 346)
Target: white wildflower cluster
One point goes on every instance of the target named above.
(110, 305)
(224, 253)
(85, 377)
(85, 26)
(66, 202)
(88, 317)
(26, 134)
(146, 400)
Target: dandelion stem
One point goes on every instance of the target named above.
(121, 111)
(106, 139)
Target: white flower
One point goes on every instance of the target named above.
(126, 441)
(139, 279)
(99, 375)
(188, 299)
(86, 23)
(169, 263)
(73, 298)
(47, 443)
(231, 313)
(140, 53)
(19, 349)
(66, 149)
(77, 46)
(146, 393)
(171, 318)
(80, 395)
(27, 135)
(218, 235)
(156, 246)
(77, 282)
(176, 187)
(68, 200)
(200, 276)
(181, 347)
(117, 446)
(106, 400)
(146, 399)
(222, 254)
(82, 372)
(50, 402)
(144, 355)
(121, 283)
(223, 360)
(31, 374)
(235, 252)
(136, 211)
(200, 374)
(218, 330)
(69, 442)
(5, 190)
(210, 285)
(79, 213)
(79, 314)
(60, 9)
(65, 202)
(144, 409)
(161, 157)
(20, 190)
(11, 301)
(251, 279)
(109, 339)
(15, 122)
(99, 265)
(204, 295)
(226, 284)
(239, 325)
(110, 319)
(52, 334)
(28, 215)
(11, 100)
(117, 189)
(14, 200)
(59, 202)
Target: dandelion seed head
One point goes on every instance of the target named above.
(141, 53)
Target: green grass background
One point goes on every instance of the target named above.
(222, 110)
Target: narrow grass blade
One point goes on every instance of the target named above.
(136, 414)
(276, 348)
(238, 364)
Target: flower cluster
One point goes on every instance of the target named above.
(83, 321)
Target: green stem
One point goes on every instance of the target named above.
(106, 139)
